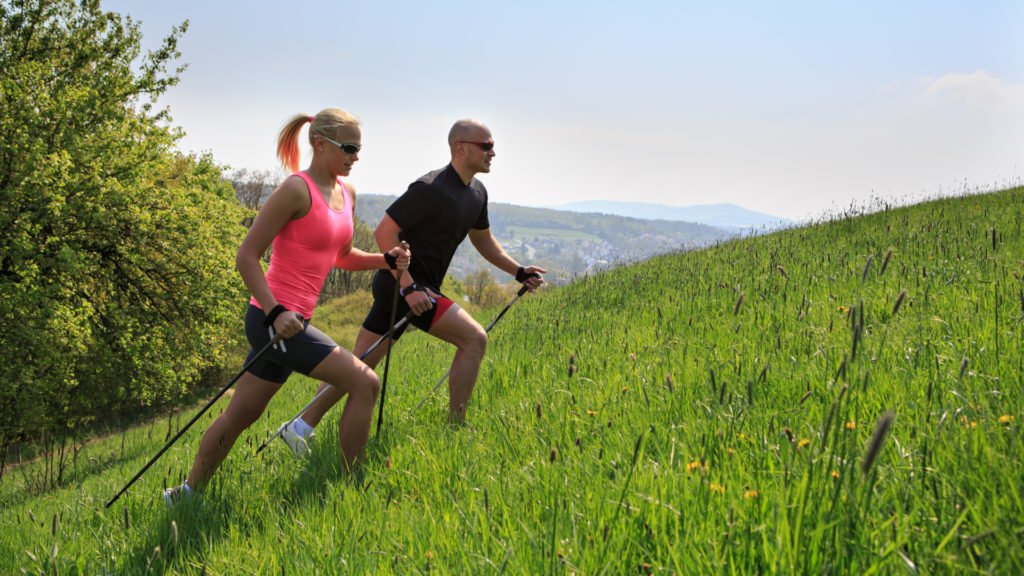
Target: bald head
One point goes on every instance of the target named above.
(472, 148)
(468, 130)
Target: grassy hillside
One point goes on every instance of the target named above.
(705, 412)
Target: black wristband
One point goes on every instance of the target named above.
(522, 276)
(392, 261)
(277, 311)
(414, 287)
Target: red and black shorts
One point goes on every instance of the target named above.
(379, 318)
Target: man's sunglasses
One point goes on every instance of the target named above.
(346, 148)
(485, 146)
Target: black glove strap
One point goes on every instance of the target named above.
(277, 311)
(522, 276)
(392, 261)
(414, 287)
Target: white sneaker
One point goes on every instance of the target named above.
(177, 494)
(294, 439)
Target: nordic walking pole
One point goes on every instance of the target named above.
(387, 357)
(362, 356)
(274, 341)
(522, 291)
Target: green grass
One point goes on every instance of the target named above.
(706, 412)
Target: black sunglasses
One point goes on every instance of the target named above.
(346, 148)
(485, 146)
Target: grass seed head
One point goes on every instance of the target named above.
(867, 266)
(877, 439)
(899, 301)
(885, 263)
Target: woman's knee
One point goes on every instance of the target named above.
(366, 386)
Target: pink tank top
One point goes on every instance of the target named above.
(305, 251)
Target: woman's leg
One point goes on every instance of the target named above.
(251, 396)
(364, 340)
(350, 376)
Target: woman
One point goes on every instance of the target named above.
(308, 219)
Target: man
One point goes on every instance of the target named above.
(434, 216)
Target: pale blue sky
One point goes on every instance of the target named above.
(790, 108)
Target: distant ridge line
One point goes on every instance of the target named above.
(723, 215)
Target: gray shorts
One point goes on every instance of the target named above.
(303, 352)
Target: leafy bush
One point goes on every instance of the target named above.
(116, 252)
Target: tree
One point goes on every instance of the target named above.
(495, 294)
(252, 187)
(476, 283)
(483, 290)
(117, 283)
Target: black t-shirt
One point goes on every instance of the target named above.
(435, 215)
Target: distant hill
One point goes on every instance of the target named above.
(567, 243)
(726, 216)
